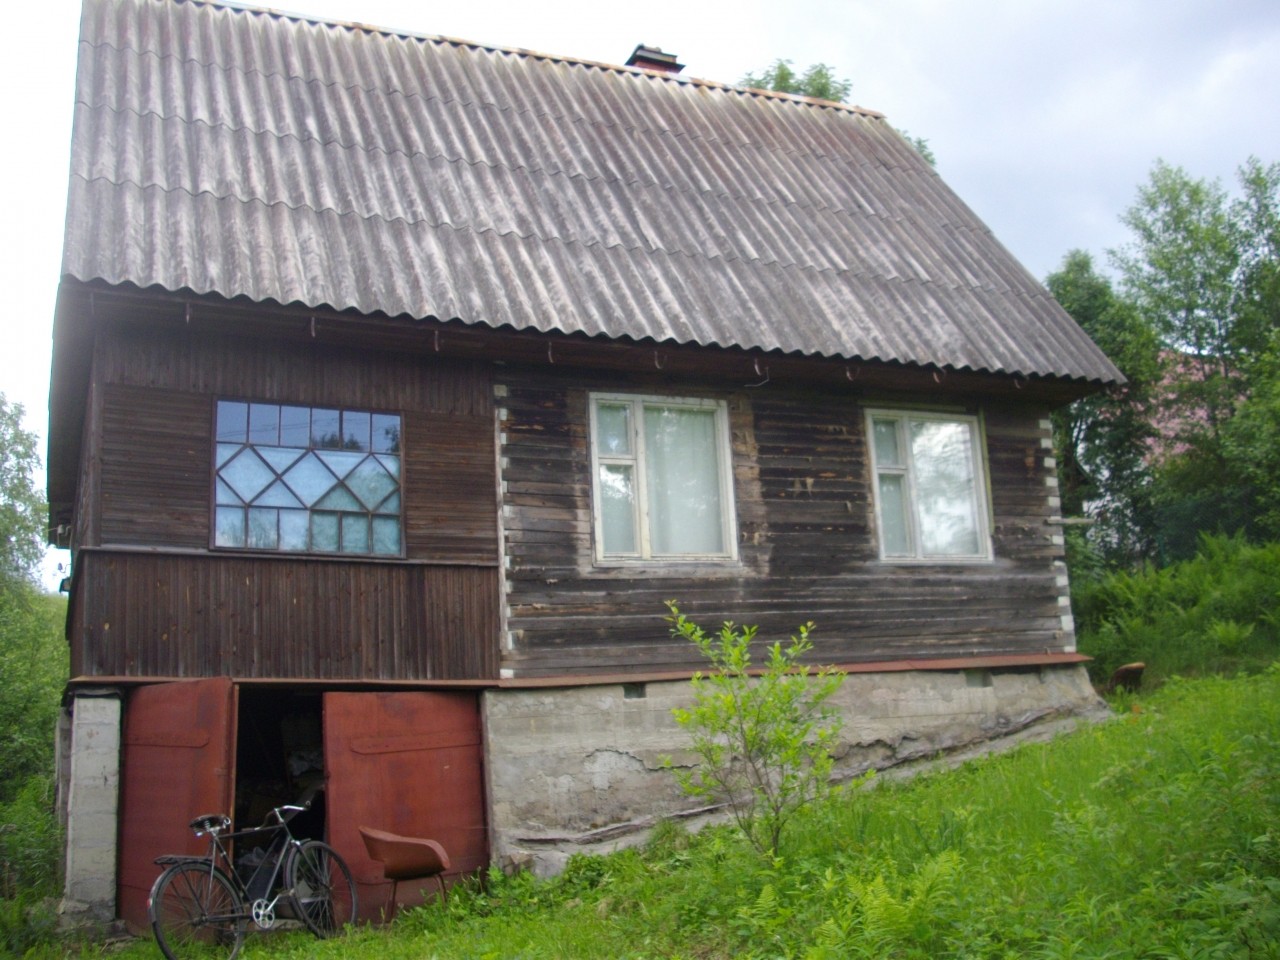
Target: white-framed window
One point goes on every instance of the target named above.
(930, 491)
(662, 479)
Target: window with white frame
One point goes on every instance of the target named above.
(662, 482)
(930, 493)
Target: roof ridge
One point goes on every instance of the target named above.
(247, 8)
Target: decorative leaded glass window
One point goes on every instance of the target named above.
(307, 479)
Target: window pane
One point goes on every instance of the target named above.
(943, 461)
(618, 509)
(277, 495)
(355, 430)
(886, 441)
(613, 422)
(386, 536)
(229, 527)
(341, 462)
(340, 499)
(247, 474)
(355, 533)
(326, 429)
(224, 494)
(226, 451)
(371, 483)
(310, 479)
(295, 426)
(262, 529)
(233, 418)
(682, 476)
(893, 516)
(293, 530)
(264, 424)
(324, 532)
(281, 458)
(386, 433)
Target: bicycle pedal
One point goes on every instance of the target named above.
(264, 914)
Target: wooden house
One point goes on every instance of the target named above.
(398, 380)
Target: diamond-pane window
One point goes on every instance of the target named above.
(307, 479)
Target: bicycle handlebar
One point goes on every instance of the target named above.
(290, 808)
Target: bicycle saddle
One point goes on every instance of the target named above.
(210, 823)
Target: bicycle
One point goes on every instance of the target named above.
(199, 903)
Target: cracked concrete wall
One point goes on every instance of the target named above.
(579, 769)
(92, 800)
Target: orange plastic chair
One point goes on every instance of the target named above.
(406, 858)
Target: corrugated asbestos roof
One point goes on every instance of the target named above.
(242, 152)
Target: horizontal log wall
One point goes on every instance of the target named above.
(147, 486)
(806, 541)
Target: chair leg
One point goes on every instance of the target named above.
(391, 911)
(444, 896)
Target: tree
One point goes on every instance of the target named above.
(763, 743)
(818, 81)
(1203, 271)
(33, 665)
(1103, 441)
(22, 507)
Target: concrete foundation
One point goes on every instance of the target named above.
(579, 769)
(91, 800)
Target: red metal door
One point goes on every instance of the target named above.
(410, 763)
(179, 762)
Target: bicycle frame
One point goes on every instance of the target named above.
(204, 902)
(263, 891)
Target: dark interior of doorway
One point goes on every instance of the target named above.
(280, 758)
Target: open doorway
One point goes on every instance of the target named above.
(280, 758)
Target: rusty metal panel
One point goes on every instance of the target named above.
(179, 760)
(410, 763)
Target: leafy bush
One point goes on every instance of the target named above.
(1217, 612)
(763, 743)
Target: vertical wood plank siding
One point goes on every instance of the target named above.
(806, 540)
(187, 610)
(183, 616)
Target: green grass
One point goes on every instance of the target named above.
(1156, 835)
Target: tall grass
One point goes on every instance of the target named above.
(1216, 613)
(1154, 836)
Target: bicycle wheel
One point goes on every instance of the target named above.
(195, 912)
(324, 895)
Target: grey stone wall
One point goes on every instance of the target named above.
(579, 769)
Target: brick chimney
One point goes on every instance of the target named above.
(651, 58)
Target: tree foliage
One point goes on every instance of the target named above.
(33, 670)
(1103, 441)
(818, 81)
(1203, 271)
(1188, 445)
(763, 743)
(22, 506)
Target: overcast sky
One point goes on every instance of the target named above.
(1045, 115)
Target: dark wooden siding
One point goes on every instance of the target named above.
(806, 542)
(153, 599)
(156, 615)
